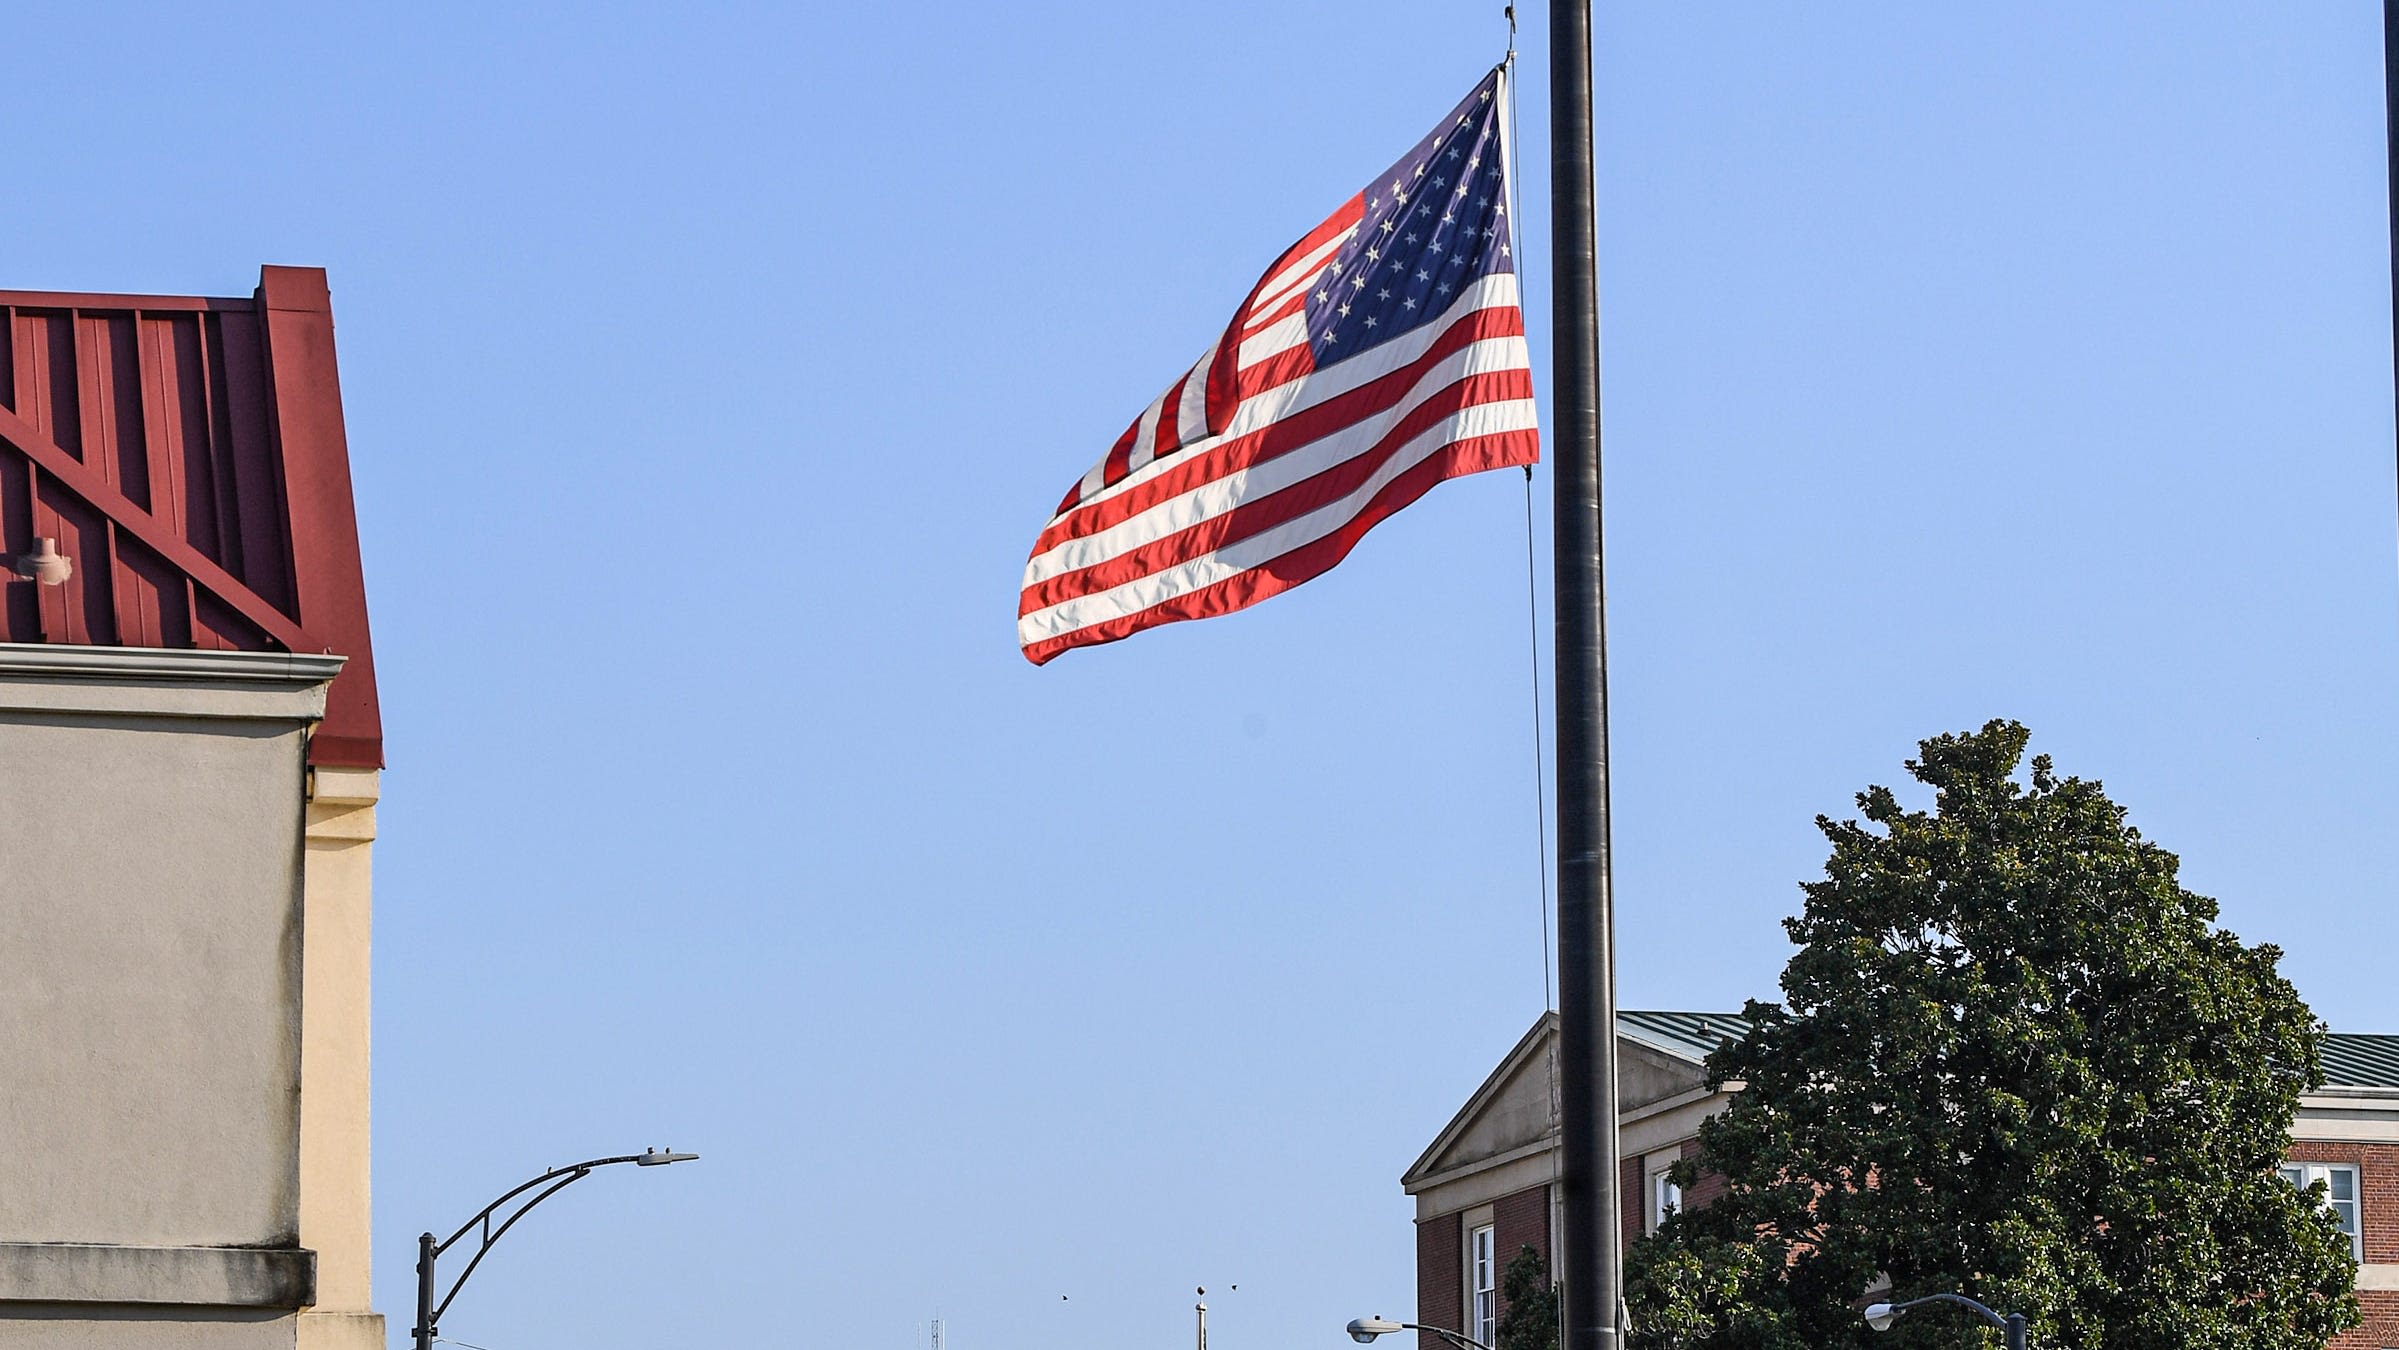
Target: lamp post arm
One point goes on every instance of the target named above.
(2017, 1328)
(492, 1236)
(1456, 1338)
(1960, 1299)
(484, 1214)
(552, 1182)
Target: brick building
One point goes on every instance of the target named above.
(1483, 1189)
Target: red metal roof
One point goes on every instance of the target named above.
(188, 455)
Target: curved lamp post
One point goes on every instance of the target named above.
(1364, 1329)
(1880, 1316)
(428, 1313)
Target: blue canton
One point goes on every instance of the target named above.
(1434, 224)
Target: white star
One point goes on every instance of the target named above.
(1331, 337)
(1422, 275)
(1400, 197)
(1445, 288)
(1373, 255)
(1419, 169)
(1372, 203)
(1474, 163)
(1357, 283)
(1345, 311)
(1460, 192)
(1503, 250)
(1439, 181)
(1453, 154)
(1389, 226)
(1410, 302)
(1484, 200)
(1322, 296)
(1335, 269)
(1411, 236)
(1448, 219)
(1370, 321)
(1384, 293)
(1398, 265)
(1486, 96)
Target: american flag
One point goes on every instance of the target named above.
(1380, 354)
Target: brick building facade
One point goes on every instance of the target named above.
(1484, 1187)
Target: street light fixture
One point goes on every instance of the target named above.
(1880, 1316)
(1363, 1330)
(428, 1313)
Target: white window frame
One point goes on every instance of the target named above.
(1664, 1198)
(2306, 1174)
(1482, 1284)
(1657, 1191)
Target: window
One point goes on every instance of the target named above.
(2340, 1194)
(1483, 1286)
(1664, 1198)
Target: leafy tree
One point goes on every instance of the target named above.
(1528, 1319)
(2015, 1059)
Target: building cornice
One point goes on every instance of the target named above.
(57, 661)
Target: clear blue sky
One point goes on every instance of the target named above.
(710, 370)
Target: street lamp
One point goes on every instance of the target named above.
(1880, 1316)
(1363, 1330)
(428, 1313)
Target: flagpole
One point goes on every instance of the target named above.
(1590, 1220)
(2390, 146)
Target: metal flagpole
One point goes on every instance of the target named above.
(2390, 145)
(1591, 1228)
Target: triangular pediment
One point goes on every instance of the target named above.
(1513, 1113)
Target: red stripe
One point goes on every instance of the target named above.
(1278, 313)
(1282, 436)
(1224, 387)
(1310, 560)
(1253, 517)
(1114, 468)
(1170, 421)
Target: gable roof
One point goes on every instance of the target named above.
(1508, 1114)
(2351, 1059)
(188, 454)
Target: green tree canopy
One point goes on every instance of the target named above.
(2014, 1059)
(1528, 1318)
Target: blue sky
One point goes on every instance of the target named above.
(708, 374)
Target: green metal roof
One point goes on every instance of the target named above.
(1688, 1034)
(2352, 1061)
(2361, 1061)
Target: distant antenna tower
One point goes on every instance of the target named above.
(934, 1340)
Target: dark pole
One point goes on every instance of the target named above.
(2015, 1331)
(2390, 146)
(1591, 1218)
(423, 1330)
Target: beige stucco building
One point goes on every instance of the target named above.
(189, 765)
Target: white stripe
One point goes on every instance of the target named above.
(1299, 275)
(1221, 495)
(1284, 334)
(1145, 433)
(1191, 420)
(1233, 559)
(1491, 292)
